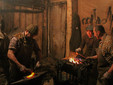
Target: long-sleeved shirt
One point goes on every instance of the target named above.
(91, 45)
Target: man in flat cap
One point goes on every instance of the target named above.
(21, 48)
(89, 41)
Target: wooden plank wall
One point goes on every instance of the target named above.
(86, 9)
(57, 29)
(17, 21)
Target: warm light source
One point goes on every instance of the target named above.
(74, 60)
(31, 75)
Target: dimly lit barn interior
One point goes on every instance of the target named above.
(59, 56)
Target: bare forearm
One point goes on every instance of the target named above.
(95, 57)
(111, 69)
(12, 57)
(92, 57)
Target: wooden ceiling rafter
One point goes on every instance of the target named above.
(35, 4)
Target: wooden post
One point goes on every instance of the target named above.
(45, 31)
(69, 26)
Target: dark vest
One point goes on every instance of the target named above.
(24, 50)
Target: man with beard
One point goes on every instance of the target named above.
(21, 48)
(104, 56)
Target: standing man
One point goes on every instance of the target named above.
(21, 48)
(4, 63)
(104, 56)
(89, 41)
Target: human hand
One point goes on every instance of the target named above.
(78, 49)
(106, 75)
(38, 64)
(24, 69)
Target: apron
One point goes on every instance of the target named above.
(103, 65)
(24, 52)
(23, 55)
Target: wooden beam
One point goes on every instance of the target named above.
(56, 3)
(45, 32)
(38, 4)
(69, 26)
(18, 10)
